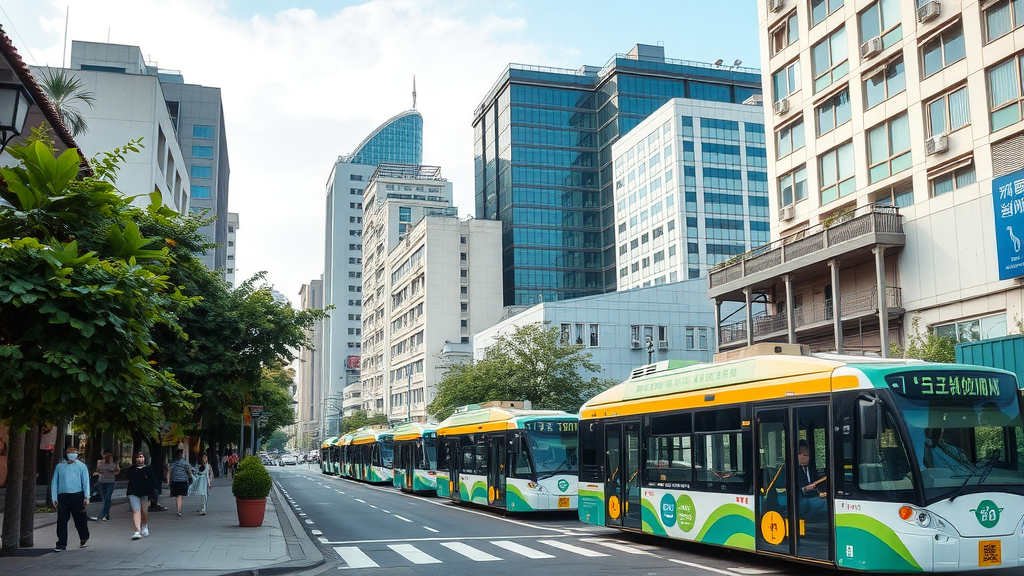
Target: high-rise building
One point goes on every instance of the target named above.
(400, 139)
(229, 272)
(543, 140)
(309, 397)
(897, 147)
(691, 190)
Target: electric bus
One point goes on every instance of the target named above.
(872, 465)
(416, 458)
(328, 456)
(368, 455)
(507, 458)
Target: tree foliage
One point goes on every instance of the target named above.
(531, 363)
(66, 91)
(927, 346)
(360, 419)
(277, 441)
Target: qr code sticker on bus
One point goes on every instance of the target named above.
(989, 553)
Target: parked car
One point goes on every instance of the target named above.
(289, 460)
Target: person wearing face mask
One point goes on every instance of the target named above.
(70, 488)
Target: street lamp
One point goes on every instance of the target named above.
(14, 104)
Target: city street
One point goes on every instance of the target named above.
(376, 528)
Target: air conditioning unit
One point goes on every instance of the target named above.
(662, 345)
(782, 106)
(928, 11)
(871, 47)
(634, 345)
(775, 5)
(936, 144)
(787, 213)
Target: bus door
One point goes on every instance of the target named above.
(454, 463)
(497, 449)
(409, 459)
(793, 501)
(622, 475)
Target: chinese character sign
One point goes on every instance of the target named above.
(1008, 201)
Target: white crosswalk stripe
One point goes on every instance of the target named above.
(574, 549)
(521, 550)
(470, 552)
(354, 557)
(614, 545)
(414, 554)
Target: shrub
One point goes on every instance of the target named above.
(252, 481)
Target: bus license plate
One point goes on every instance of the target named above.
(563, 502)
(990, 553)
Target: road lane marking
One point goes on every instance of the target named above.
(310, 522)
(414, 554)
(614, 545)
(401, 518)
(374, 507)
(359, 500)
(701, 567)
(322, 540)
(573, 549)
(355, 558)
(432, 530)
(521, 550)
(316, 533)
(385, 511)
(469, 552)
(436, 539)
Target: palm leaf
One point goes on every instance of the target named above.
(66, 91)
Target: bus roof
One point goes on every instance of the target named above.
(414, 430)
(369, 434)
(496, 418)
(329, 442)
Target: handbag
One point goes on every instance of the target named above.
(94, 490)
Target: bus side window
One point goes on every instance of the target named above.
(522, 467)
(882, 462)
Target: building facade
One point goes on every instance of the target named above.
(229, 272)
(897, 142)
(543, 140)
(400, 139)
(309, 391)
(691, 190)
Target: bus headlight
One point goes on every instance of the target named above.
(924, 519)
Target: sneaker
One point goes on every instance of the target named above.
(84, 543)
(202, 512)
(145, 530)
(179, 514)
(94, 519)
(59, 549)
(105, 519)
(136, 536)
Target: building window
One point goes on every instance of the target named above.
(355, 177)
(829, 60)
(835, 169)
(202, 131)
(594, 336)
(402, 228)
(973, 330)
(793, 187)
(885, 83)
(202, 151)
(1005, 92)
(201, 171)
(888, 148)
(1002, 17)
(355, 191)
(201, 191)
(949, 112)
(901, 196)
(785, 33)
(952, 180)
(697, 337)
(834, 112)
(786, 81)
(790, 138)
(881, 19)
(943, 50)
(404, 214)
(820, 9)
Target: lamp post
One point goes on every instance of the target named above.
(14, 104)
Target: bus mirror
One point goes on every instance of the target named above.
(867, 416)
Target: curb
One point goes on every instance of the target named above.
(304, 553)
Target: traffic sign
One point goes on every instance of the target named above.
(255, 411)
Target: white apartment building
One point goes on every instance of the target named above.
(229, 271)
(441, 256)
(897, 155)
(309, 390)
(396, 196)
(691, 190)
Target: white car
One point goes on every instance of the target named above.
(289, 460)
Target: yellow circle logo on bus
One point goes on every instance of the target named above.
(773, 529)
(613, 507)
(490, 493)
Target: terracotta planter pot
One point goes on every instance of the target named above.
(251, 512)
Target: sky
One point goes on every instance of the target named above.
(304, 82)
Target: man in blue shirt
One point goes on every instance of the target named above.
(70, 487)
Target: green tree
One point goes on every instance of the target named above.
(927, 346)
(532, 363)
(67, 92)
(277, 441)
(360, 419)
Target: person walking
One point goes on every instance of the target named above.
(106, 470)
(70, 487)
(142, 484)
(203, 483)
(178, 476)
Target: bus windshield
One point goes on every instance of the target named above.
(965, 427)
(553, 446)
(430, 452)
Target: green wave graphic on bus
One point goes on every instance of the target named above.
(423, 482)
(514, 499)
(875, 545)
(442, 486)
(729, 525)
(591, 506)
(651, 519)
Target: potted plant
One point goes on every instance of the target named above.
(251, 487)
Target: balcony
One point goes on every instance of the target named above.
(855, 231)
(817, 315)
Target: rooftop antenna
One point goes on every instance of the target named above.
(63, 60)
(414, 92)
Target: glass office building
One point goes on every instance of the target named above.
(543, 141)
(399, 140)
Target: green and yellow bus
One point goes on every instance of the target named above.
(508, 458)
(894, 466)
(368, 455)
(329, 456)
(415, 467)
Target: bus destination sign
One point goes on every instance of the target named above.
(952, 385)
(551, 426)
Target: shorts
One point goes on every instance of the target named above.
(179, 489)
(135, 501)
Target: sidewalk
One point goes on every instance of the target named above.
(211, 545)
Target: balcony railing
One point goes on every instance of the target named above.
(853, 305)
(843, 228)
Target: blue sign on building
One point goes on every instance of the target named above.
(1008, 200)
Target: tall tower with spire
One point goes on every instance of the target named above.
(413, 92)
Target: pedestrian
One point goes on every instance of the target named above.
(178, 476)
(232, 463)
(142, 484)
(203, 483)
(224, 465)
(70, 489)
(106, 470)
